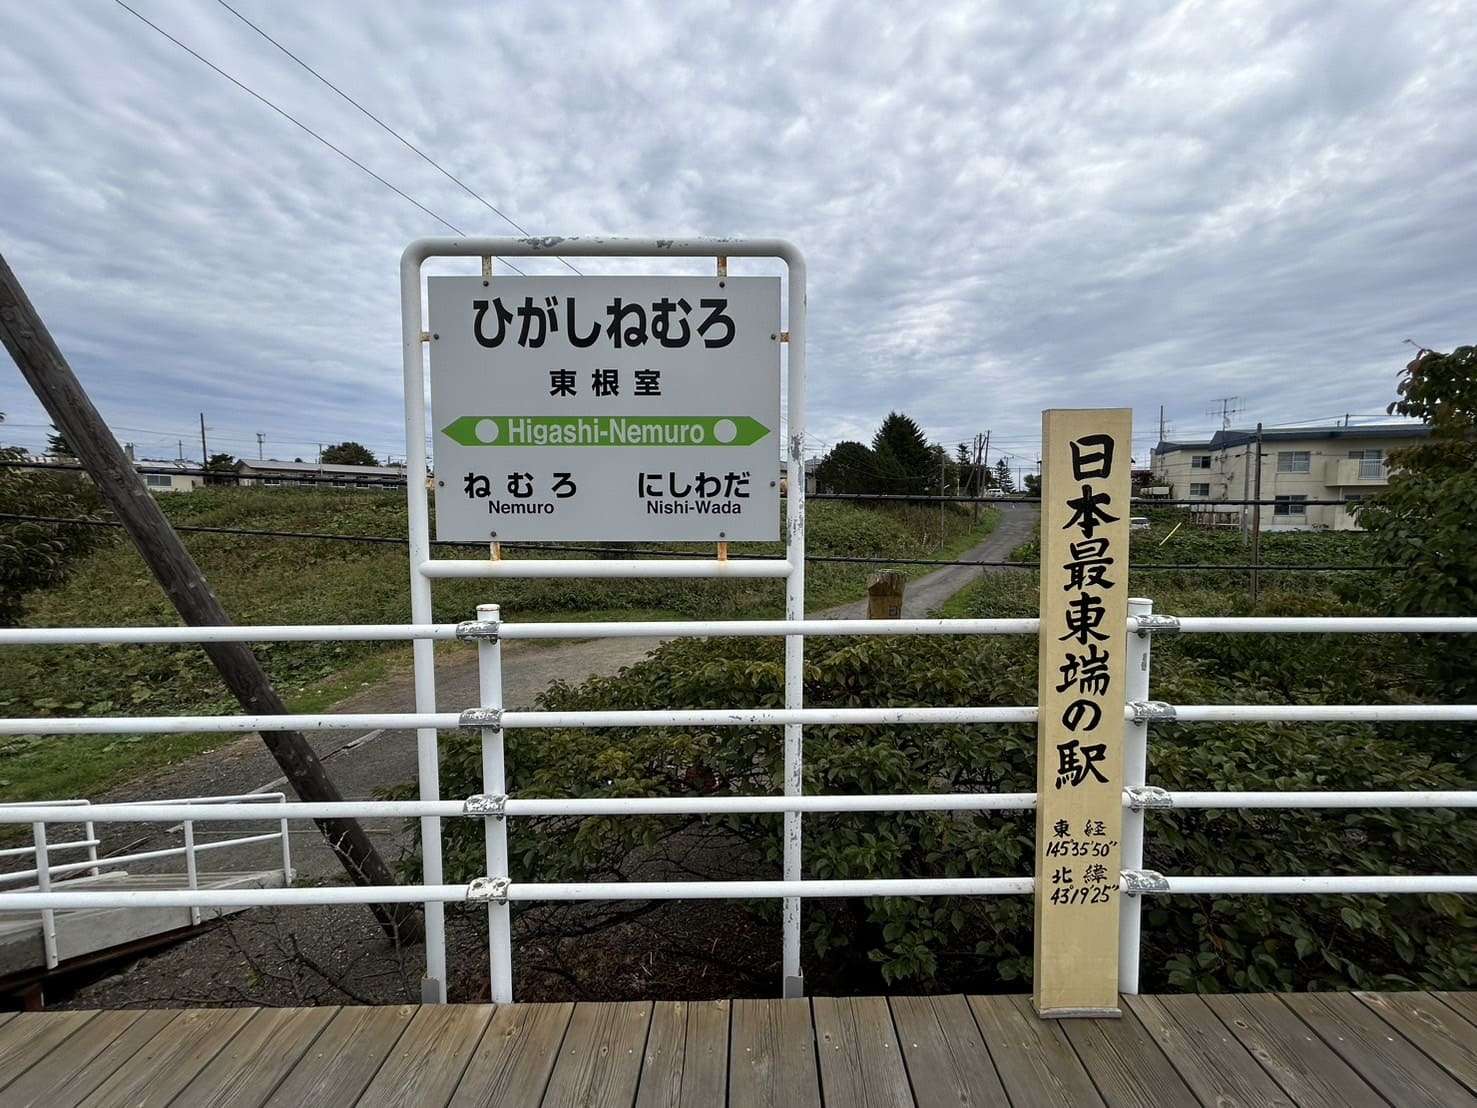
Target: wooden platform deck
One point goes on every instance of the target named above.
(1404, 1049)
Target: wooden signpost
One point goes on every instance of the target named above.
(1079, 737)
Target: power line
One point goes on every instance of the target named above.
(390, 130)
(301, 125)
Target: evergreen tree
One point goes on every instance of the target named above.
(1002, 476)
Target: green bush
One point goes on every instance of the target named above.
(1201, 943)
(38, 555)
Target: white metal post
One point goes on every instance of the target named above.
(793, 983)
(192, 875)
(423, 651)
(423, 569)
(495, 783)
(287, 873)
(90, 834)
(43, 886)
(1135, 769)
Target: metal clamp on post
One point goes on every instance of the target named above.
(488, 890)
(482, 717)
(1137, 881)
(1161, 625)
(475, 629)
(483, 804)
(1144, 711)
(1147, 796)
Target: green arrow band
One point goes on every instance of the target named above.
(605, 431)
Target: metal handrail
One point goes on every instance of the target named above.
(498, 890)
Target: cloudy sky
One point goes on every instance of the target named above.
(1003, 210)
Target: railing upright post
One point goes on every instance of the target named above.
(43, 886)
(286, 853)
(495, 783)
(192, 875)
(1135, 770)
(89, 832)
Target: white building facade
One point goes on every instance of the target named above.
(1298, 465)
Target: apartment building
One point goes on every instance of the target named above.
(1299, 464)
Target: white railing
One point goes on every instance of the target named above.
(497, 890)
(41, 878)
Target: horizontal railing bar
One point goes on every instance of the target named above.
(147, 812)
(312, 632)
(22, 851)
(711, 890)
(710, 717)
(1316, 885)
(142, 856)
(737, 628)
(171, 811)
(1322, 713)
(517, 891)
(1330, 799)
(1321, 625)
(594, 568)
(102, 636)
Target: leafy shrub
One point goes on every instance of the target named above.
(38, 555)
(1203, 943)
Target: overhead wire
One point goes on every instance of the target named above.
(396, 134)
(300, 125)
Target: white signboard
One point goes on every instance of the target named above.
(606, 408)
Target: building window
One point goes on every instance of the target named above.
(1199, 488)
(1371, 463)
(158, 480)
(1199, 461)
(271, 480)
(1294, 461)
(1290, 506)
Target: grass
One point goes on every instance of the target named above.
(267, 581)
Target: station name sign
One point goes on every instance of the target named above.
(606, 408)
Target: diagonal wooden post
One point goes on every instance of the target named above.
(45, 368)
(1079, 733)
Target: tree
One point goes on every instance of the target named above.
(218, 468)
(38, 555)
(903, 455)
(1002, 476)
(348, 454)
(1422, 521)
(56, 443)
(1033, 484)
(847, 467)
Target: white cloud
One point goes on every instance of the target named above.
(1002, 208)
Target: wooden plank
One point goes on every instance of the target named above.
(510, 1067)
(1464, 1004)
(1386, 1059)
(1079, 731)
(31, 1036)
(253, 1063)
(948, 1062)
(345, 1057)
(1036, 1062)
(167, 1063)
(1443, 1035)
(686, 1061)
(1125, 1063)
(772, 1056)
(860, 1061)
(600, 1060)
(1211, 1061)
(70, 1076)
(428, 1060)
(1298, 1060)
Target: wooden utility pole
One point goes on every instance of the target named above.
(45, 369)
(204, 450)
(1256, 522)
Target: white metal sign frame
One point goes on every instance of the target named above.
(414, 339)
